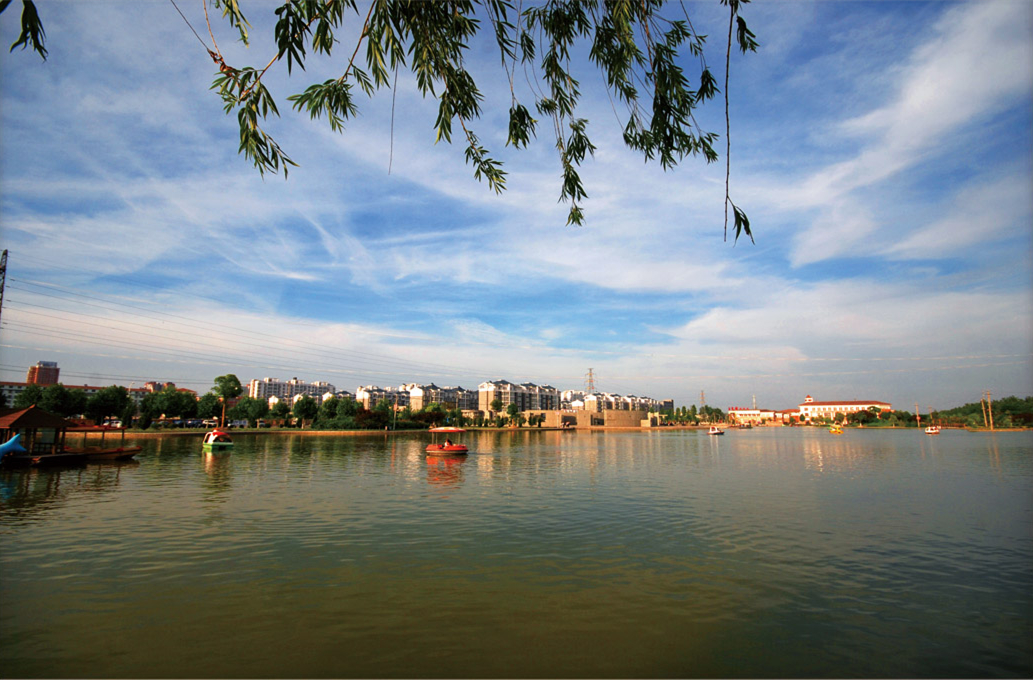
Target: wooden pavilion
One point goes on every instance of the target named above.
(43, 436)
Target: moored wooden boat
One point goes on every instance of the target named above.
(101, 452)
(44, 460)
(715, 430)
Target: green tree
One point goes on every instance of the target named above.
(30, 396)
(227, 387)
(280, 410)
(128, 413)
(208, 406)
(176, 403)
(107, 402)
(249, 409)
(434, 413)
(345, 418)
(513, 411)
(63, 401)
(328, 411)
(305, 409)
(640, 48)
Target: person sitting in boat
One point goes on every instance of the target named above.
(448, 442)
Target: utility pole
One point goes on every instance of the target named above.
(982, 405)
(990, 408)
(3, 278)
(918, 416)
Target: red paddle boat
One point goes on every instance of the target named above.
(448, 446)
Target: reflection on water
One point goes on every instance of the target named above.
(444, 470)
(26, 492)
(667, 553)
(218, 466)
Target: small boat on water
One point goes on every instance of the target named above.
(217, 440)
(715, 430)
(99, 452)
(448, 446)
(836, 429)
(932, 429)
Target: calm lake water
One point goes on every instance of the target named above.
(763, 553)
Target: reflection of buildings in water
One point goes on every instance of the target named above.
(406, 457)
(24, 493)
(835, 454)
(445, 471)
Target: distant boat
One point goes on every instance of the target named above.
(836, 429)
(448, 446)
(715, 430)
(932, 429)
(217, 440)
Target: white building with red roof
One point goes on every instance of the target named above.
(810, 409)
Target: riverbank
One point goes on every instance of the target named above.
(160, 434)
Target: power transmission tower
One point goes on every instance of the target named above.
(590, 382)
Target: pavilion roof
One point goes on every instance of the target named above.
(32, 418)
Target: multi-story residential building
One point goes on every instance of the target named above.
(371, 395)
(286, 391)
(421, 396)
(571, 395)
(598, 402)
(526, 396)
(810, 409)
(43, 373)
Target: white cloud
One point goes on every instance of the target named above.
(979, 60)
(991, 210)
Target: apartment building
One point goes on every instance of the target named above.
(288, 390)
(43, 373)
(597, 402)
(526, 396)
(371, 395)
(421, 396)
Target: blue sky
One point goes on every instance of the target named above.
(882, 150)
